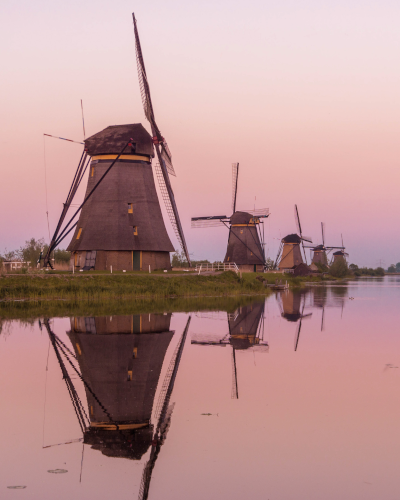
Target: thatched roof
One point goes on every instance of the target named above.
(112, 139)
(291, 238)
(339, 252)
(241, 218)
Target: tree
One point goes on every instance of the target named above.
(379, 271)
(339, 269)
(353, 267)
(392, 268)
(31, 250)
(398, 267)
(179, 259)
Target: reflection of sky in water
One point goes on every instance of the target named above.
(318, 422)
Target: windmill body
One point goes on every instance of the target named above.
(340, 255)
(244, 245)
(245, 248)
(291, 252)
(121, 226)
(319, 255)
(120, 359)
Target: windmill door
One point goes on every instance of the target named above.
(135, 261)
(90, 260)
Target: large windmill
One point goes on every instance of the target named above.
(245, 241)
(289, 253)
(120, 225)
(246, 330)
(320, 251)
(119, 363)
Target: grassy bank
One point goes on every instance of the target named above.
(99, 287)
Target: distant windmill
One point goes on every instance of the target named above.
(245, 242)
(246, 330)
(289, 253)
(340, 254)
(320, 251)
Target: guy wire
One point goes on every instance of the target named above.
(45, 185)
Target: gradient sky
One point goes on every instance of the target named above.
(303, 95)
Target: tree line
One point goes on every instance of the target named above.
(30, 252)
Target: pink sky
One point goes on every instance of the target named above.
(305, 98)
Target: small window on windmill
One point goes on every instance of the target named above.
(241, 231)
(130, 208)
(135, 231)
(79, 233)
(228, 259)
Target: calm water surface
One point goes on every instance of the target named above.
(294, 397)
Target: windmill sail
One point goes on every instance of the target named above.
(163, 152)
(163, 414)
(235, 176)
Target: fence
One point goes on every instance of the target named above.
(222, 266)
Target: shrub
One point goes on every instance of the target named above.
(339, 269)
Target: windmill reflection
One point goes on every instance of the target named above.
(246, 330)
(119, 360)
(292, 304)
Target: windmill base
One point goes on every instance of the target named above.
(103, 260)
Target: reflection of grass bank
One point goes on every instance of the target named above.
(62, 308)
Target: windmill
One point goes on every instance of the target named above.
(245, 242)
(320, 251)
(246, 330)
(132, 395)
(292, 306)
(120, 223)
(289, 253)
(340, 254)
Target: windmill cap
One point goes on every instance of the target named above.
(241, 218)
(339, 252)
(112, 139)
(291, 238)
(319, 247)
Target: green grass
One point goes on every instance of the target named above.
(93, 287)
(99, 286)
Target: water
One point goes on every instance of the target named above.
(293, 397)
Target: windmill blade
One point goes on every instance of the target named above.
(163, 414)
(212, 221)
(297, 219)
(162, 150)
(234, 393)
(297, 336)
(322, 318)
(298, 331)
(235, 176)
(166, 156)
(323, 231)
(342, 240)
(258, 212)
(306, 238)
